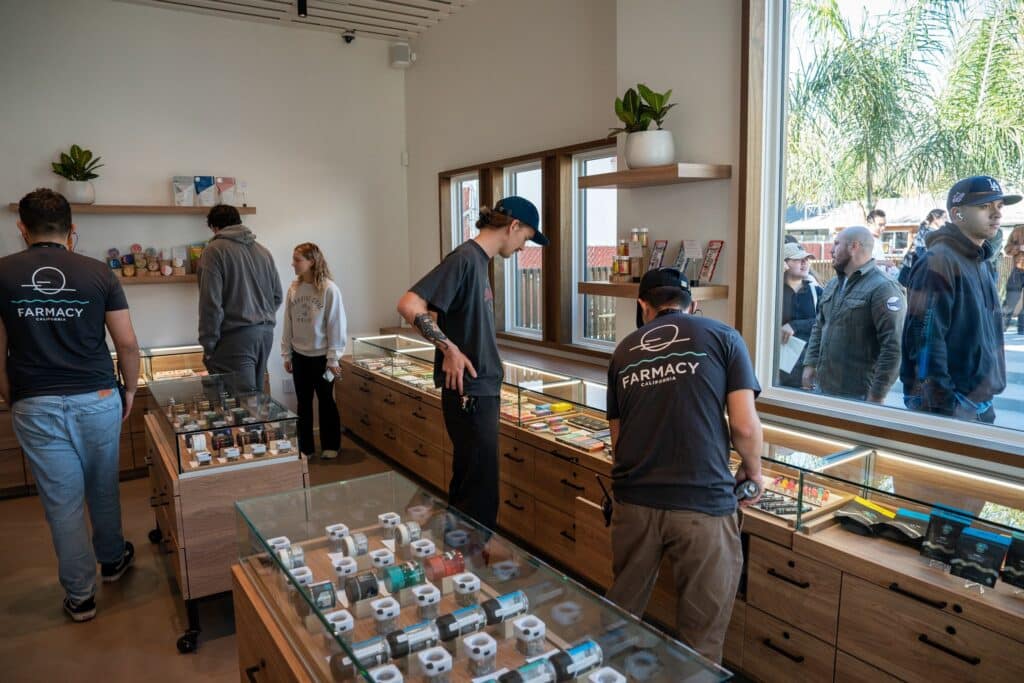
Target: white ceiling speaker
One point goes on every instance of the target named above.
(401, 55)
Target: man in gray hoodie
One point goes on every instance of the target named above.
(239, 294)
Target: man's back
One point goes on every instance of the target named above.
(54, 306)
(667, 384)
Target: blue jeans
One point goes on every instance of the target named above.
(71, 443)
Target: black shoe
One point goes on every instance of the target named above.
(82, 611)
(115, 570)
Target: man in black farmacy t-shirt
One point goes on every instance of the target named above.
(58, 377)
(669, 384)
(453, 308)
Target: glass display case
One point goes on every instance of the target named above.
(212, 424)
(168, 362)
(375, 579)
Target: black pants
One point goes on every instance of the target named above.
(308, 375)
(244, 353)
(474, 433)
(1009, 305)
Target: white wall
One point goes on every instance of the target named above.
(692, 47)
(315, 126)
(498, 79)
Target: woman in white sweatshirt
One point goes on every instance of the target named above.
(312, 344)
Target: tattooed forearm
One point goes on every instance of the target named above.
(430, 331)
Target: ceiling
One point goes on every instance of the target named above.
(381, 19)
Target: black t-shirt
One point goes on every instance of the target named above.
(54, 304)
(668, 384)
(459, 290)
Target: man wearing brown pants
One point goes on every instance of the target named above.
(668, 384)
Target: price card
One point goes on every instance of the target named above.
(692, 249)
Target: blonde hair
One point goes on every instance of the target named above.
(321, 273)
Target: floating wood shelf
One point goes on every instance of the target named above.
(657, 175)
(140, 209)
(158, 280)
(630, 290)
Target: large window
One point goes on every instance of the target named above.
(594, 240)
(880, 107)
(465, 207)
(524, 272)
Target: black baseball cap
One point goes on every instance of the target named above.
(976, 190)
(524, 211)
(661, 277)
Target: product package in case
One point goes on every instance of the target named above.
(226, 190)
(944, 529)
(908, 526)
(206, 190)
(979, 555)
(184, 190)
(860, 516)
(1013, 570)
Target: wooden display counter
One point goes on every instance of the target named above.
(821, 604)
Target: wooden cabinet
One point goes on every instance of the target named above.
(422, 456)
(774, 651)
(516, 463)
(916, 642)
(12, 469)
(556, 533)
(264, 655)
(852, 670)
(593, 542)
(793, 588)
(516, 511)
(560, 481)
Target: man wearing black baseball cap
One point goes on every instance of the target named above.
(953, 358)
(453, 308)
(668, 383)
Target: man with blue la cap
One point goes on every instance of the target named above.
(953, 360)
(453, 308)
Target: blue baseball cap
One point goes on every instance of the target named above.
(524, 211)
(978, 189)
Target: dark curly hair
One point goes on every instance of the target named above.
(45, 213)
(222, 216)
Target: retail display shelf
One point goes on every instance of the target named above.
(672, 174)
(159, 280)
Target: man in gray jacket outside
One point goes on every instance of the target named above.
(239, 294)
(854, 350)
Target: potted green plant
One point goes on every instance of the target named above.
(77, 167)
(637, 110)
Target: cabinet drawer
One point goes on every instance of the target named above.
(775, 651)
(556, 533)
(422, 457)
(419, 418)
(262, 648)
(8, 441)
(852, 670)
(12, 469)
(793, 588)
(593, 542)
(516, 511)
(915, 642)
(559, 481)
(387, 401)
(361, 422)
(126, 460)
(171, 546)
(386, 439)
(515, 462)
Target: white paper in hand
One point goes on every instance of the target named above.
(789, 353)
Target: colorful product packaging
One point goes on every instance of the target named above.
(184, 189)
(1013, 570)
(206, 190)
(979, 555)
(226, 190)
(944, 529)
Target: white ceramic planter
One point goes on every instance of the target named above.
(650, 148)
(78, 191)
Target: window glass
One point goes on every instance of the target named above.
(465, 207)
(524, 292)
(594, 240)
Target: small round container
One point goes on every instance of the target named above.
(467, 589)
(336, 532)
(422, 549)
(428, 601)
(355, 545)
(345, 567)
(405, 575)
(419, 513)
(342, 625)
(623, 248)
(506, 570)
(567, 613)
(278, 542)
(407, 533)
(456, 538)
(606, 675)
(620, 266)
(292, 557)
(389, 673)
(482, 652)
(361, 587)
(385, 614)
(382, 558)
(440, 566)
(435, 664)
(389, 520)
(642, 665)
(530, 633)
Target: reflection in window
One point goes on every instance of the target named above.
(887, 107)
(465, 207)
(594, 242)
(524, 293)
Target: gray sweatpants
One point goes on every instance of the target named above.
(243, 352)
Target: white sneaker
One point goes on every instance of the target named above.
(329, 455)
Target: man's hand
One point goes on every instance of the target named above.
(456, 364)
(129, 401)
(810, 376)
(876, 399)
(288, 366)
(741, 476)
(787, 332)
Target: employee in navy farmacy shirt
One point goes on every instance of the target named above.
(56, 373)
(669, 384)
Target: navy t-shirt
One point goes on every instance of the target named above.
(53, 304)
(668, 383)
(459, 291)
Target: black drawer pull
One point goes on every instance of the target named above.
(390, 401)
(568, 458)
(418, 416)
(799, 659)
(250, 672)
(516, 507)
(417, 451)
(937, 604)
(973, 661)
(573, 486)
(513, 458)
(365, 421)
(365, 389)
(390, 436)
(783, 577)
(566, 535)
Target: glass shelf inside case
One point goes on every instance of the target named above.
(404, 359)
(208, 424)
(373, 573)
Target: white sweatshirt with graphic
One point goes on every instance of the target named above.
(314, 323)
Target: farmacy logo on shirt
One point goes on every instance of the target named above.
(49, 280)
(663, 368)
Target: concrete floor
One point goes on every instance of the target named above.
(139, 618)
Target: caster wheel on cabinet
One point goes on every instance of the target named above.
(188, 643)
(155, 535)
